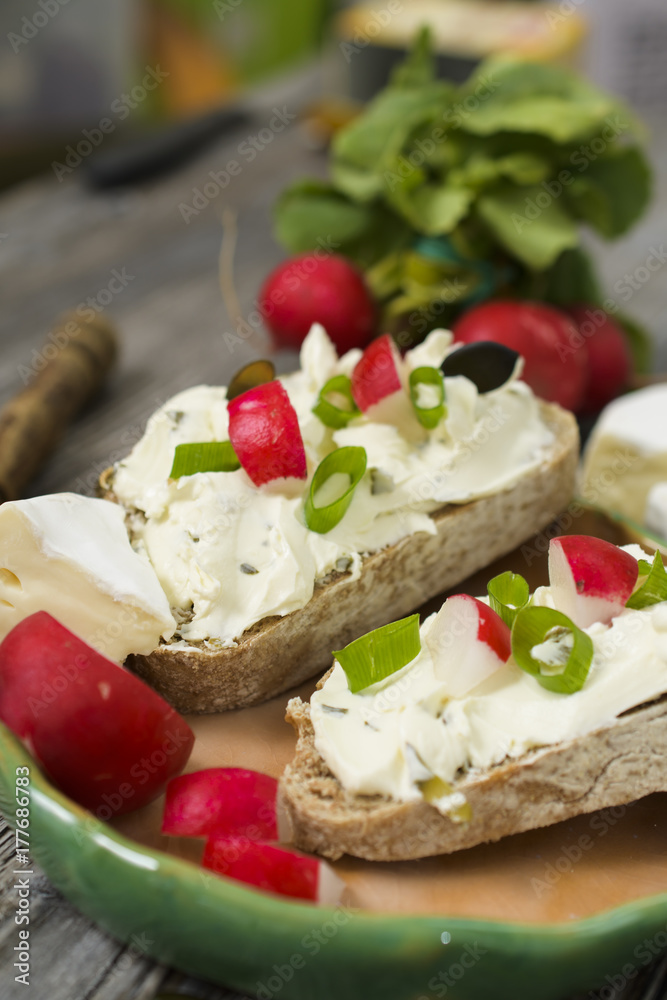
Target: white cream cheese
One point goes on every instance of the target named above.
(70, 555)
(229, 554)
(392, 737)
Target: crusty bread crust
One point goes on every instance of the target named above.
(278, 653)
(618, 763)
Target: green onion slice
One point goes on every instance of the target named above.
(654, 588)
(205, 456)
(428, 416)
(380, 653)
(533, 626)
(351, 461)
(330, 414)
(508, 594)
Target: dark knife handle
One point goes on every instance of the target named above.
(159, 152)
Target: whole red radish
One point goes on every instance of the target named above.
(468, 642)
(609, 358)
(103, 736)
(590, 579)
(555, 362)
(314, 288)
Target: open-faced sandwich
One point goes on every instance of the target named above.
(287, 520)
(501, 714)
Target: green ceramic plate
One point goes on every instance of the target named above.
(261, 944)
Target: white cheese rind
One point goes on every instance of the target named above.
(70, 555)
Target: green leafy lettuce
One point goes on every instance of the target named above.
(448, 195)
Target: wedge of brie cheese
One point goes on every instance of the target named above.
(70, 555)
(626, 456)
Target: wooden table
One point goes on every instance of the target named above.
(59, 245)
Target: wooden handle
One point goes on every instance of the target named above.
(70, 370)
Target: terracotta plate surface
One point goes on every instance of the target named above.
(545, 912)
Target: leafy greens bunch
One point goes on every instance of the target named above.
(449, 195)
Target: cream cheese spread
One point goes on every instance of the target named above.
(229, 554)
(394, 737)
(70, 555)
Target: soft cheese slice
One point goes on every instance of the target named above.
(70, 555)
(627, 452)
(656, 510)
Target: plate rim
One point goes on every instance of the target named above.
(588, 942)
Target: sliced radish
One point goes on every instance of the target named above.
(227, 800)
(590, 579)
(377, 373)
(468, 642)
(272, 868)
(264, 431)
(104, 737)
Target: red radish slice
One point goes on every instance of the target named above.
(103, 736)
(229, 800)
(468, 642)
(590, 579)
(264, 431)
(272, 868)
(376, 374)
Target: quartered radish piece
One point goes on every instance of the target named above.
(226, 800)
(376, 374)
(590, 579)
(103, 736)
(264, 431)
(272, 868)
(468, 642)
(379, 388)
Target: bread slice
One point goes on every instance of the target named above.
(278, 653)
(618, 763)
